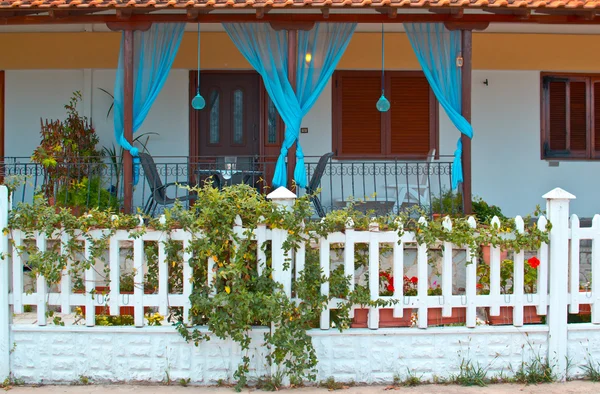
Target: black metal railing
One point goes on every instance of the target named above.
(384, 186)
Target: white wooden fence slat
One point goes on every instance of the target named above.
(277, 256)
(519, 278)
(164, 266)
(187, 278)
(115, 276)
(138, 289)
(211, 275)
(542, 279)
(349, 252)
(447, 272)
(574, 265)
(373, 320)
(398, 274)
(90, 285)
(422, 275)
(324, 262)
(17, 272)
(42, 288)
(471, 282)
(261, 238)
(495, 271)
(596, 270)
(65, 281)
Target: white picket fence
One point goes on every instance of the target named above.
(553, 270)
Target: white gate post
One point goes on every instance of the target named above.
(557, 210)
(283, 198)
(4, 283)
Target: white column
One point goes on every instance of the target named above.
(4, 283)
(557, 207)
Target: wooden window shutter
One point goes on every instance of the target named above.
(578, 119)
(410, 115)
(556, 117)
(596, 113)
(358, 123)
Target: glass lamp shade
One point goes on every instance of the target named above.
(198, 102)
(383, 104)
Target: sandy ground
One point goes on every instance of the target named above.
(578, 387)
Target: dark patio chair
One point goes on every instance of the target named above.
(315, 182)
(158, 190)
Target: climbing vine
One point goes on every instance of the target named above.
(221, 225)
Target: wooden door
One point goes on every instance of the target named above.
(229, 124)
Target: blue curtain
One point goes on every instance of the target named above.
(154, 52)
(319, 51)
(437, 49)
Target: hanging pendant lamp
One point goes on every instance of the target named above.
(383, 104)
(198, 102)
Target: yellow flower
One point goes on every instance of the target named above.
(227, 289)
(173, 263)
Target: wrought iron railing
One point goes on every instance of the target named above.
(384, 186)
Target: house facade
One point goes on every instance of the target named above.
(515, 159)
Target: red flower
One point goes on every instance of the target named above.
(390, 287)
(414, 280)
(533, 262)
(384, 274)
(479, 286)
(391, 280)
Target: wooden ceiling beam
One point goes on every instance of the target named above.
(568, 12)
(456, 13)
(391, 12)
(13, 17)
(124, 14)
(520, 13)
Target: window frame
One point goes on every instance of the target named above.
(336, 109)
(590, 153)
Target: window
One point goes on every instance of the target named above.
(569, 113)
(409, 129)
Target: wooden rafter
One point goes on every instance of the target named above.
(456, 13)
(75, 16)
(520, 13)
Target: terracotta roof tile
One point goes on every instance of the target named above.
(474, 4)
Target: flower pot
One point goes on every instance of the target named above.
(486, 249)
(435, 318)
(105, 309)
(585, 309)
(530, 316)
(386, 318)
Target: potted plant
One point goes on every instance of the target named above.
(447, 203)
(386, 318)
(127, 287)
(484, 213)
(530, 315)
(434, 315)
(67, 150)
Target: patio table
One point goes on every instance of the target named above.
(226, 178)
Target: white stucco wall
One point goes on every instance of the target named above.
(110, 354)
(507, 169)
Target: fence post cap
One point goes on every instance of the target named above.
(281, 193)
(558, 194)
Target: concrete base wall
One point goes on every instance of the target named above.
(118, 354)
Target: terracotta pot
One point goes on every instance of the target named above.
(585, 309)
(530, 316)
(434, 316)
(105, 309)
(436, 216)
(386, 318)
(486, 249)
